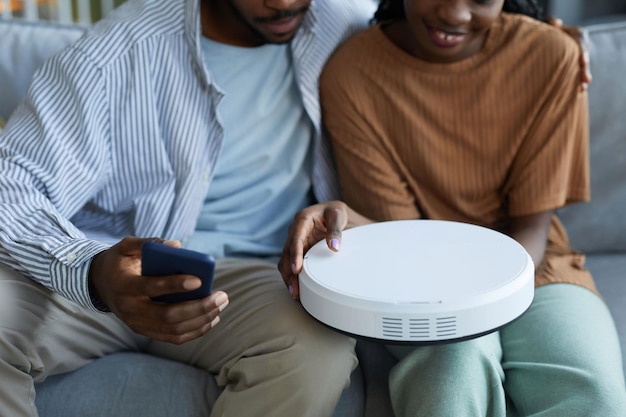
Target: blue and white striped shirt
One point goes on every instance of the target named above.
(118, 136)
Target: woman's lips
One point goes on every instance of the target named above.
(445, 39)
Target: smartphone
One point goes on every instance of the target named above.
(158, 259)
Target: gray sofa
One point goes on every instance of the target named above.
(598, 228)
(133, 384)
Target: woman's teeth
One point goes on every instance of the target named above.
(446, 37)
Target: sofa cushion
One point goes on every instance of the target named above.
(136, 384)
(128, 384)
(24, 46)
(600, 225)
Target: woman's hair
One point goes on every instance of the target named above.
(394, 9)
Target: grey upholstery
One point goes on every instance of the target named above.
(139, 385)
(23, 47)
(598, 228)
(116, 385)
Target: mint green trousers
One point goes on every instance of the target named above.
(560, 359)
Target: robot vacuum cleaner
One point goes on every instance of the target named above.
(418, 281)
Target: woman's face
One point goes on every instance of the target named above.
(447, 30)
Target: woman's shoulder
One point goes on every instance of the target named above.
(359, 46)
(354, 55)
(536, 38)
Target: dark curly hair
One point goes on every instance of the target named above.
(394, 9)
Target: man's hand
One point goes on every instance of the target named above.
(115, 279)
(310, 225)
(580, 35)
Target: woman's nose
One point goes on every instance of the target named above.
(454, 12)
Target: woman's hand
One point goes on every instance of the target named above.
(580, 35)
(310, 225)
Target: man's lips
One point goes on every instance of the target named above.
(444, 38)
(284, 22)
(282, 26)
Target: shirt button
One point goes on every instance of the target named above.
(71, 257)
(205, 177)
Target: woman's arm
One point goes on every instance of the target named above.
(532, 233)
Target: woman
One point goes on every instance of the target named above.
(467, 110)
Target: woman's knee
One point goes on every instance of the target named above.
(459, 358)
(470, 372)
(598, 396)
(470, 363)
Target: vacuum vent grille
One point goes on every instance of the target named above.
(393, 328)
(446, 326)
(405, 328)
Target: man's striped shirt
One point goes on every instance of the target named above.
(118, 136)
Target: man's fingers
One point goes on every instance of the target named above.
(168, 284)
(176, 333)
(585, 46)
(176, 323)
(581, 35)
(556, 22)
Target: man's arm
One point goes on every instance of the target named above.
(54, 152)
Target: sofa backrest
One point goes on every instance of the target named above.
(600, 226)
(24, 46)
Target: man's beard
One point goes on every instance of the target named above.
(282, 14)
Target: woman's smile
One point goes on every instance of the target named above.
(443, 38)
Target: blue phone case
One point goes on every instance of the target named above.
(158, 259)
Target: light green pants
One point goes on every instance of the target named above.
(270, 356)
(560, 359)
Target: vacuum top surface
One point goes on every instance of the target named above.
(417, 262)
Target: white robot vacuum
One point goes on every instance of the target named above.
(418, 281)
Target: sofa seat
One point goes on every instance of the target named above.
(138, 385)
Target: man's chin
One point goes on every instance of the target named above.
(279, 40)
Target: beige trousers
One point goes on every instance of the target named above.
(271, 357)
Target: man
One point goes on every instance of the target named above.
(191, 121)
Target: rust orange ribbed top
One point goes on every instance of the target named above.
(501, 134)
